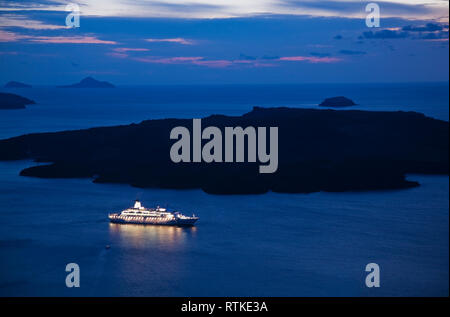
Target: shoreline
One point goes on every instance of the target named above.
(336, 165)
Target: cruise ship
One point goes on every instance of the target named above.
(151, 216)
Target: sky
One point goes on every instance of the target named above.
(223, 42)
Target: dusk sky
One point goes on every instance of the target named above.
(223, 41)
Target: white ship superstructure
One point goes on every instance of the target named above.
(152, 216)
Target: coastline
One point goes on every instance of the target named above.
(319, 156)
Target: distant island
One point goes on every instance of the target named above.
(16, 84)
(319, 150)
(89, 82)
(337, 102)
(13, 101)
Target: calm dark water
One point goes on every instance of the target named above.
(67, 109)
(256, 245)
(269, 245)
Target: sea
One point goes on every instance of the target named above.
(273, 244)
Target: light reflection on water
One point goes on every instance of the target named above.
(144, 236)
(250, 245)
(150, 255)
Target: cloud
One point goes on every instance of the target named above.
(427, 32)
(9, 53)
(69, 40)
(188, 6)
(350, 52)
(423, 9)
(222, 63)
(310, 59)
(21, 21)
(317, 54)
(130, 49)
(430, 31)
(178, 40)
(320, 45)
(194, 60)
(204, 9)
(117, 55)
(442, 35)
(267, 57)
(385, 34)
(28, 4)
(168, 60)
(429, 27)
(247, 57)
(7, 36)
(122, 52)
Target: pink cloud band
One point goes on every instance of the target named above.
(69, 40)
(178, 40)
(6, 36)
(168, 60)
(130, 49)
(222, 63)
(310, 59)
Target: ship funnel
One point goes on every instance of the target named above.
(137, 204)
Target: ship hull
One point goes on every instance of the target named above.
(158, 222)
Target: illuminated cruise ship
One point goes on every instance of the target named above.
(152, 216)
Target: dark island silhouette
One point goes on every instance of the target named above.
(319, 150)
(340, 101)
(16, 84)
(89, 82)
(13, 101)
